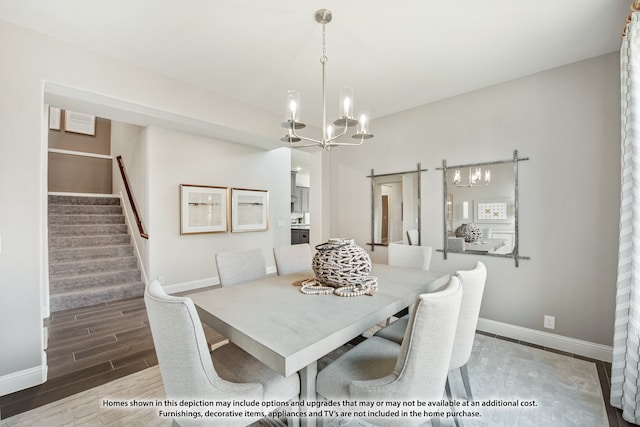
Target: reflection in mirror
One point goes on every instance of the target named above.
(481, 208)
(395, 208)
(481, 215)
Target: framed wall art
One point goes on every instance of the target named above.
(493, 211)
(249, 210)
(54, 118)
(79, 123)
(203, 209)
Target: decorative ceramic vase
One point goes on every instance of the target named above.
(340, 262)
(470, 232)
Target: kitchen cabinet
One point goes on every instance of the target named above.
(299, 235)
(301, 201)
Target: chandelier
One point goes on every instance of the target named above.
(475, 177)
(330, 134)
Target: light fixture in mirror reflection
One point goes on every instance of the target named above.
(479, 218)
(475, 177)
(395, 208)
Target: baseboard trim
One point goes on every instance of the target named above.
(20, 380)
(546, 339)
(201, 283)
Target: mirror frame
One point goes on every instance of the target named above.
(419, 170)
(515, 254)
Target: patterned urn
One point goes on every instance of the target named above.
(470, 232)
(340, 262)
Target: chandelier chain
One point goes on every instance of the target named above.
(323, 58)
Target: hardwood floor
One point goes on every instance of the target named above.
(95, 345)
(91, 346)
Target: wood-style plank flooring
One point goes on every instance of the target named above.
(94, 345)
(91, 346)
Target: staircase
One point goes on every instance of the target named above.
(91, 258)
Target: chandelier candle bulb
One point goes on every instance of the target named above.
(346, 104)
(293, 106)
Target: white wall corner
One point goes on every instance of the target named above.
(26, 378)
(546, 339)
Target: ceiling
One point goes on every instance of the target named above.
(395, 55)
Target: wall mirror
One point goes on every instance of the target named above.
(481, 208)
(395, 208)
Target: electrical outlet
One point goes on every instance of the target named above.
(549, 321)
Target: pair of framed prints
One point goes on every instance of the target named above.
(209, 209)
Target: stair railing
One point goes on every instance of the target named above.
(123, 172)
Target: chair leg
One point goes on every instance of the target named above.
(447, 388)
(465, 380)
(293, 422)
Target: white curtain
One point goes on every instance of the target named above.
(625, 393)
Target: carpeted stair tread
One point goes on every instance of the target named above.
(69, 219)
(83, 200)
(85, 209)
(86, 253)
(92, 280)
(62, 230)
(73, 268)
(88, 241)
(81, 298)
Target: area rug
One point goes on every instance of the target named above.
(562, 391)
(566, 392)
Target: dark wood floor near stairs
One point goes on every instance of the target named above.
(94, 345)
(91, 346)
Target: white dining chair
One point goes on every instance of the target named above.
(409, 256)
(292, 258)
(240, 267)
(188, 371)
(412, 237)
(382, 370)
(399, 255)
(456, 244)
(473, 284)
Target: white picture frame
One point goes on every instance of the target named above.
(54, 118)
(493, 211)
(249, 210)
(84, 124)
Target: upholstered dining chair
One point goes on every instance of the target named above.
(188, 371)
(473, 283)
(456, 244)
(412, 236)
(410, 256)
(292, 258)
(380, 369)
(240, 267)
(399, 255)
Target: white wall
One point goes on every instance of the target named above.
(567, 121)
(29, 62)
(176, 158)
(129, 141)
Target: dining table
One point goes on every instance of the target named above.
(289, 331)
